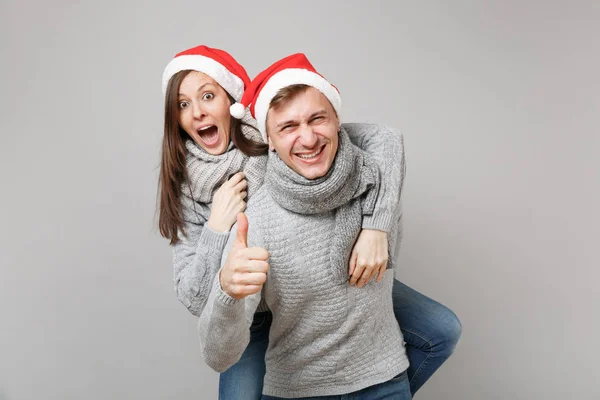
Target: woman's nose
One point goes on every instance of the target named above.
(198, 110)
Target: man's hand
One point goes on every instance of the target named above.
(245, 270)
(369, 257)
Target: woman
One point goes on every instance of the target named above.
(211, 163)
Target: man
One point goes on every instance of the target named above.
(327, 337)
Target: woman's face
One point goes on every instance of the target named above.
(204, 112)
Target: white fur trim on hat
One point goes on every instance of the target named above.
(288, 77)
(232, 83)
(237, 110)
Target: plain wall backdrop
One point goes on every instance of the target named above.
(499, 103)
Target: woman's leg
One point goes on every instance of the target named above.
(244, 379)
(431, 332)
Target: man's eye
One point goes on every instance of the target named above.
(208, 96)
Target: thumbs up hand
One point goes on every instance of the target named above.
(245, 270)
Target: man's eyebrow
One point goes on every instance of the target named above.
(313, 115)
(289, 121)
(199, 89)
(318, 113)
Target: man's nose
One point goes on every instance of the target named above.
(308, 138)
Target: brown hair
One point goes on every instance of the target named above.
(287, 94)
(173, 172)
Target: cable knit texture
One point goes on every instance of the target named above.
(327, 337)
(350, 187)
(208, 172)
(197, 256)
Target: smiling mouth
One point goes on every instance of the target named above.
(310, 156)
(209, 135)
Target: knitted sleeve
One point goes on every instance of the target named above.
(386, 147)
(224, 326)
(196, 258)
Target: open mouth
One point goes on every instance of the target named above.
(209, 135)
(308, 157)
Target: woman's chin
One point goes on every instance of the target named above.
(216, 148)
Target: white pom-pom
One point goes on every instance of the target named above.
(237, 110)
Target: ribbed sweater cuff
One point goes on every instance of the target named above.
(212, 239)
(380, 220)
(223, 297)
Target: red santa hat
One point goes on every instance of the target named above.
(217, 64)
(292, 70)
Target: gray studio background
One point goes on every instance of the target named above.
(499, 104)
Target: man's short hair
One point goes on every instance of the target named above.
(286, 94)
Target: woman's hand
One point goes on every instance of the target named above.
(245, 270)
(228, 202)
(369, 257)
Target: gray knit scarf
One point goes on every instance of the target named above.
(350, 187)
(207, 172)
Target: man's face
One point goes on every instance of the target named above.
(304, 132)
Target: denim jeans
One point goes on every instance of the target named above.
(244, 379)
(430, 331)
(395, 389)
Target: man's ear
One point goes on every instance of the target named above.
(336, 117)
(269, 141)
(271, 146)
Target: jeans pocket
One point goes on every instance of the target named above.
(400, 377)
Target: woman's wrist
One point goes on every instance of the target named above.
(218, 226)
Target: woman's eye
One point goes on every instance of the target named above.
(208, 96)
(183, 104)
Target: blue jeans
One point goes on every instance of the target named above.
(244, 379)
(395, 389)
(430, 331)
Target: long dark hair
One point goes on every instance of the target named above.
(173, 171)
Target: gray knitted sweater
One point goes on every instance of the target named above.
(327, 337)
(197, 256)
